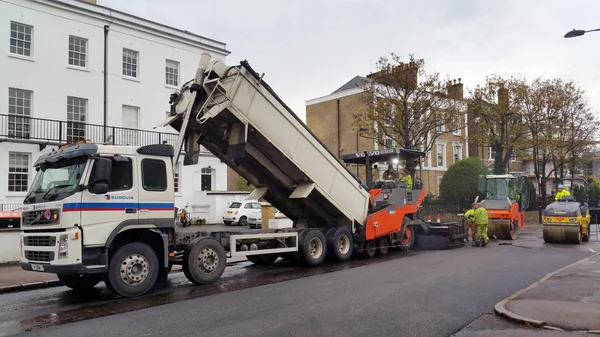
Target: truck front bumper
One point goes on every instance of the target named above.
(61, 253)
(78, 268)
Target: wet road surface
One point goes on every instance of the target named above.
(426, 293)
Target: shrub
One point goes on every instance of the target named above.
(459, 186)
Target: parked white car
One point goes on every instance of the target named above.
(240, 211)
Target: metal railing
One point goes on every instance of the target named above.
(47, 131)
(7, 206)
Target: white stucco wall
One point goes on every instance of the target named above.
(9, 246)
(51, 79)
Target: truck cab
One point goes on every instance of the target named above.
(87, 202)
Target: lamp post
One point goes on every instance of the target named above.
(578, 32)
(357, 133)
(508, 114)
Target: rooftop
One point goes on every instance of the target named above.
(112, 16)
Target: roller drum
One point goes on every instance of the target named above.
(502, 230)
(562, 234)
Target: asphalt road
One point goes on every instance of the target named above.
(426, 293)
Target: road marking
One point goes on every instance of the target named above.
(591, 250)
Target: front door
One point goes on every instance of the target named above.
(156, 206)
(103, 213)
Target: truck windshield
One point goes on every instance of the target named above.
(56, 181)
(500, 189)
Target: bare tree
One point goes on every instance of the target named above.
(496, 106)
(408, 106)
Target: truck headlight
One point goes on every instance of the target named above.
(63, 244)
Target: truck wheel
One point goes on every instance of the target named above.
(312, 247)
(204, 260)
(383, 246)
(339, 244)
(133, 270)
(407, 238)
(80, 282)
(370, 248)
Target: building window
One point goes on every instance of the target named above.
(388, 142)
(172, 72)
(130, 63)
(77, 51)
(176, 178)
(440, 127)
(456, 126)
(441, 155)
(18, 172)
(491, 153)
(20, 39)
(154, 175)
(457, 151)
(130, 122)
(76, 117)
(439, 183)
(19, 112)
(206, 175)
(388, 115)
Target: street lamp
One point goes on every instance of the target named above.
(357, 133)
(578, 32)
(508, 114)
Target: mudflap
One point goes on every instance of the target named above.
(446, 235)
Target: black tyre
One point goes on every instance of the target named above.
(383, 246)
(132, 270)
(339, 244)
(243, 221)
(370, 248)
(407, 238)
(163, 275)
(312, 247)
(80, 282)
(263, 259)
(204, 260)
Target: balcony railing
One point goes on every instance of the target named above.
(47, 131)
(53, 132)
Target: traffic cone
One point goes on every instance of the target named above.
(429, 218)
(438, 219)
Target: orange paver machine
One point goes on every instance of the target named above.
(393, 219)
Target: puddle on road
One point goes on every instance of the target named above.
(237, 277)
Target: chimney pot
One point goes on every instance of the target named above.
(459, 80)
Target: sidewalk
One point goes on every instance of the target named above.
(568, 299)
(13, 278)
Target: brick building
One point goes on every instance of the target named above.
(331, 120)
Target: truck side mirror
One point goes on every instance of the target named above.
(100, 176)
(99, 188)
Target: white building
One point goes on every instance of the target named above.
(52, 87)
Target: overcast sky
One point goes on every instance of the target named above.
(309, 48)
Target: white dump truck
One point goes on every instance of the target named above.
(99, 212)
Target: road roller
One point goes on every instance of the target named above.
(507, 198)
(567, 220)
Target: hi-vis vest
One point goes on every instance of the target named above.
(481, 216)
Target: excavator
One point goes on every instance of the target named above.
(567, 220)
(507, 198)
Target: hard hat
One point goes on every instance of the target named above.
(561, 186)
